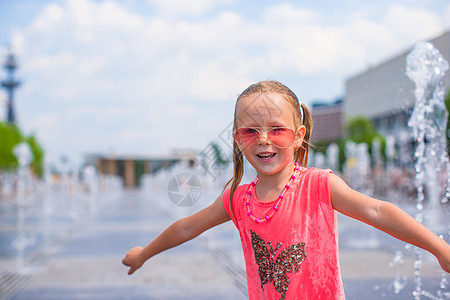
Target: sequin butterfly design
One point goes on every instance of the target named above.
(273, 269)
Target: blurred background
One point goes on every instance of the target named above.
(118, 114)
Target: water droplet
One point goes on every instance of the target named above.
(443, 283)
(417, 264)
(399, 284)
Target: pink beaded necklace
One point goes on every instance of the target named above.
(275, 208)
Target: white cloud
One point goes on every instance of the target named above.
(399, 27)
(446, 17)
(289, 14)
(50, 17)
(83, 12)
(126, 74)
(411, 24)
(176, 8)
(206, 56)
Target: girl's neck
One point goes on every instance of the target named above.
(270, 186)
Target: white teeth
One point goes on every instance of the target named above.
(266, 155)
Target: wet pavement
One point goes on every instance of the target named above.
(85, 263)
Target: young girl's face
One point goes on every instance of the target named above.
(268, 154)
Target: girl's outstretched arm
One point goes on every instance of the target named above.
(388, 218)
(179, 232)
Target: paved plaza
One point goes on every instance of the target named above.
(86, 263)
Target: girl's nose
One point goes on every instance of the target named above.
(263, 138)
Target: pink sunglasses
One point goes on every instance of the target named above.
(281, 137)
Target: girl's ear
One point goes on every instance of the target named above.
(299, 135)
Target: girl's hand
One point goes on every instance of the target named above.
(133, 259)
(179, 232)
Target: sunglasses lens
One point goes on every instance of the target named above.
(246, 137)
(281, 137)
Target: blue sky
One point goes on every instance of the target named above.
(147, 77)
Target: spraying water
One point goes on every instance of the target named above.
(23, 199)
(425, 66)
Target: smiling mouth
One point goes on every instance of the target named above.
(266, 155)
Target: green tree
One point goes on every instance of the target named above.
(37, 164)
(10, 137)
(219, 159)
(361, 130)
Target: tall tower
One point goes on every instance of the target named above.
(10, 84)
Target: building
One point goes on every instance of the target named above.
(385, 94)
(327, 121)
(131, 167)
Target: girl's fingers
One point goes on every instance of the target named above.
(131, 271)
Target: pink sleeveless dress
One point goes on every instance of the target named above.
(295, 254)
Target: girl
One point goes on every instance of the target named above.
(286, 217)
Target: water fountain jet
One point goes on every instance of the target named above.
(425, 66)
(23, 154)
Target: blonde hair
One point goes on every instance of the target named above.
(302, 116)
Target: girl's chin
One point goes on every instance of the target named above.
(268, 169)
(269, 164)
